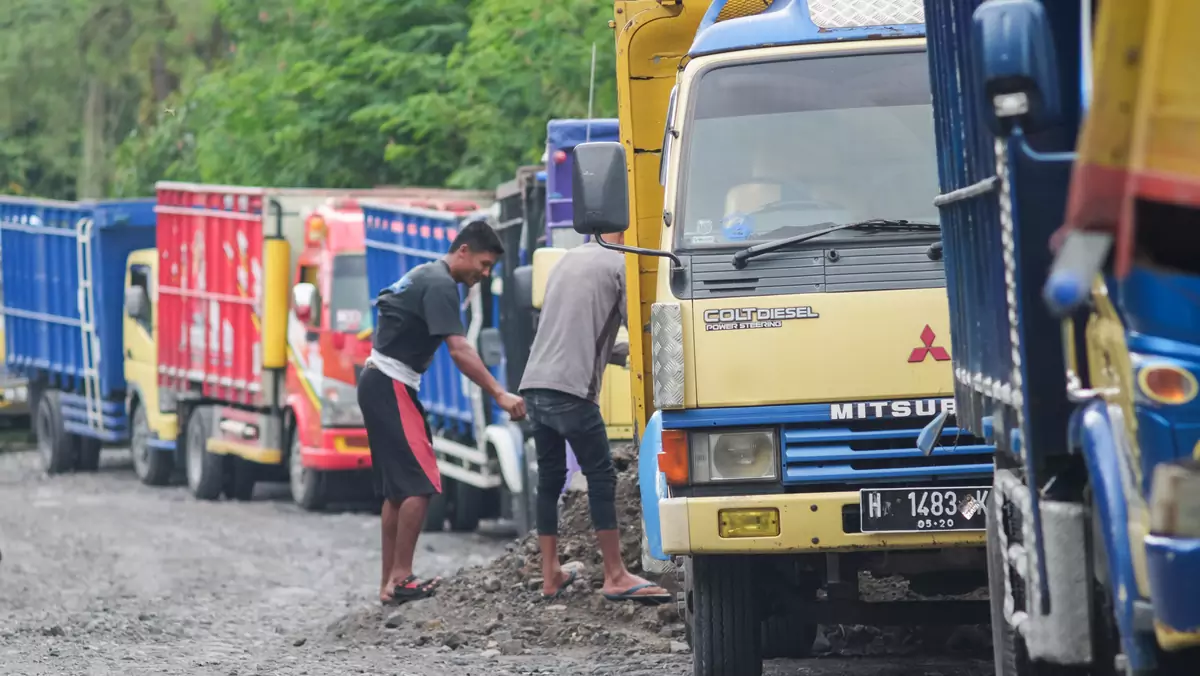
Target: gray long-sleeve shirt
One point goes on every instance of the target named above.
(582, 313)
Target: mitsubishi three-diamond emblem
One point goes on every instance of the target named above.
(928, 348)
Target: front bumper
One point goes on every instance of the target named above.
(1174, 570)
(808, 522)
(342, 449)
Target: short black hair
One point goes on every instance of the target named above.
(479, 237)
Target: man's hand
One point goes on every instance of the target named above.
(512, 404)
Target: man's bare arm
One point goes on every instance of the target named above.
(469, 362)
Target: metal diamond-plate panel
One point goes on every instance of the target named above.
(666, 354)
(853, 13)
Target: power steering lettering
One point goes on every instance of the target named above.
(733, 319)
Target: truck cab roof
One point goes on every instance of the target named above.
(792, 22)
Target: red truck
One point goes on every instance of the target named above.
(265, 323)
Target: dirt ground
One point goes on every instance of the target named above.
(100, 575)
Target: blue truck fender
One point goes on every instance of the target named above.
(653, 487)
(1100, 438)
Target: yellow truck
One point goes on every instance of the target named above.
(775, 178)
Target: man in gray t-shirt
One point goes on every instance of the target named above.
(581, 315)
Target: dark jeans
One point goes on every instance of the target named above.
(558, 418)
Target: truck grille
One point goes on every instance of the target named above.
(869, 452)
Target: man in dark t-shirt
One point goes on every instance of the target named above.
(416, 314)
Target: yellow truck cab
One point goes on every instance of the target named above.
(775, 182)
(154, 424)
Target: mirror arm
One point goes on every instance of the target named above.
(677, 264)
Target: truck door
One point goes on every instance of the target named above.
(140, 354)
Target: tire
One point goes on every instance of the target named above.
(787, 636)
(727, 629)
(240, 477)
(435, 517)
(205, 471)
(87, 453)
(55, 446)
(309, 486)
(153, 468)
(467, 507)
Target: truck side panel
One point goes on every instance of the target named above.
(210, 241)
(652, 38)
(42, 286)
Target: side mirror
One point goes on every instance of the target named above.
(1014, 48)
(302, 300)
(600, 188)
(135, 302)
(491, 347)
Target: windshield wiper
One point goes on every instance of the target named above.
(740, 258)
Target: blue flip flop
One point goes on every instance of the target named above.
(632, 594)
(571, 577)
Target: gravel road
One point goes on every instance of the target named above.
(101, 575)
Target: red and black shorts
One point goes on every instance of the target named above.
(402, 458)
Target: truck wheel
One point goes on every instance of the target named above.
(54, 444)
(87, 453)
(240, 477)
(727, 629)
(205, 471)
(787, 636)
(467, 508)
(435, 518)
(308, 485)
(153, 468)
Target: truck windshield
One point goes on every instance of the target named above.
(350, 301)
(776, 148)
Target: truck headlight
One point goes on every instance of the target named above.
(339, 405)
(734, 455)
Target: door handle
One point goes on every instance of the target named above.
(129, 354)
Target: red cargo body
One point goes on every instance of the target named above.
(210, 242)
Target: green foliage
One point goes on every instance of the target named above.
(109, 96)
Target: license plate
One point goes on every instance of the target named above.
(919, 510)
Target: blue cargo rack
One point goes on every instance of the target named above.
(44, 327)
(398, 239)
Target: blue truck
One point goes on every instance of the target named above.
(1069, 191)
(69, 270)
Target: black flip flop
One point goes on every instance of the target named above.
(413, 589)
(632, 594)
(562, 588)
